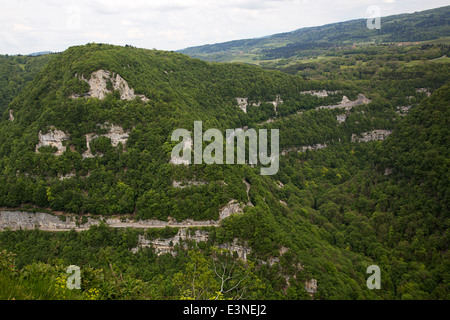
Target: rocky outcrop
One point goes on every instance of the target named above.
(248, 185)
(187, 184)
(116, 134)
(320, 94)
(62, 177)
(53, 138)
(162, 246)
(100, 83)
(46, 221)
(276, 103)
(347, 104)
(233, 207)
(311, 287)
(272, 260)
(424, 90)
(341, 118)
(11, 116)
(243, 103)
(304, 148)
(241, 248)
(403, 110)
(27, 220)
(375, 135)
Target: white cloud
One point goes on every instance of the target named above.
(127, 23)
(21, 27)
(135, 33)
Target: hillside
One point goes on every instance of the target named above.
(305, 42)
(15, 73)
(86, 146)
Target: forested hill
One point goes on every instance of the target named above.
(16, 72)
(90, 136)
(418, 26)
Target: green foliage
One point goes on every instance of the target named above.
(16, 72)
(326, 215)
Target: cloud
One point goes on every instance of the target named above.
(127, 23)
(21, 27)
(135, 33)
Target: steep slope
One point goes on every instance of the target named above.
(91, 136)
(15, 73)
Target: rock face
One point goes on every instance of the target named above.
(49, 222)
(341, 118)
(304, 148)
(425, 90)
(276, 103)
(375, 135)
(187, 184)
(320, 94)
(243, 103)
(347, 104)
(100, 81)
(403, 110)
(163, 246)
(231, 208)
(248, 185)
(53, 138)
(11, 116)
(242, 250)
(116, 134)
(44, 221)
(311, 286)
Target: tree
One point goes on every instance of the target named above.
(197, 282)
(235, 277)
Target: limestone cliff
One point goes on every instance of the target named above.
(102, 82)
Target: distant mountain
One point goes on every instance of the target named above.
(418, 26)
(40, 53)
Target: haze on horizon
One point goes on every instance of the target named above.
(28, 26)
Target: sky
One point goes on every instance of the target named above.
(28, 26)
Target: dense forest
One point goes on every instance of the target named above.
(327, 214)
(16, 72)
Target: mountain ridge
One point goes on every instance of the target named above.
(80, 138)
(417, 26)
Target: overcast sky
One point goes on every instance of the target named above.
(28, 26)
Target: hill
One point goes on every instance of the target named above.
(15, 73)
(304, 42)
(87, 143)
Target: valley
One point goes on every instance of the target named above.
(88, 179)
